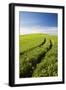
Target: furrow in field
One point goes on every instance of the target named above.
(29, 60)
(21, 53)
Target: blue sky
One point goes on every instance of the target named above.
(36, 22)
(30, 19)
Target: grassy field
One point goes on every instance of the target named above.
(38, 55)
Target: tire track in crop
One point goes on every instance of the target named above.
(34, 47)
(44, 53)
(42, 56)
(39, 59)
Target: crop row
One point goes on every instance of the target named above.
(29, 60)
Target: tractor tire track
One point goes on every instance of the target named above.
(39, 59)
(42, 56)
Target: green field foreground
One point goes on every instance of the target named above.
(38, 55)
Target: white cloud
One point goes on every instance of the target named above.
(46, 30)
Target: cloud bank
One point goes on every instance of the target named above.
(45, 30)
